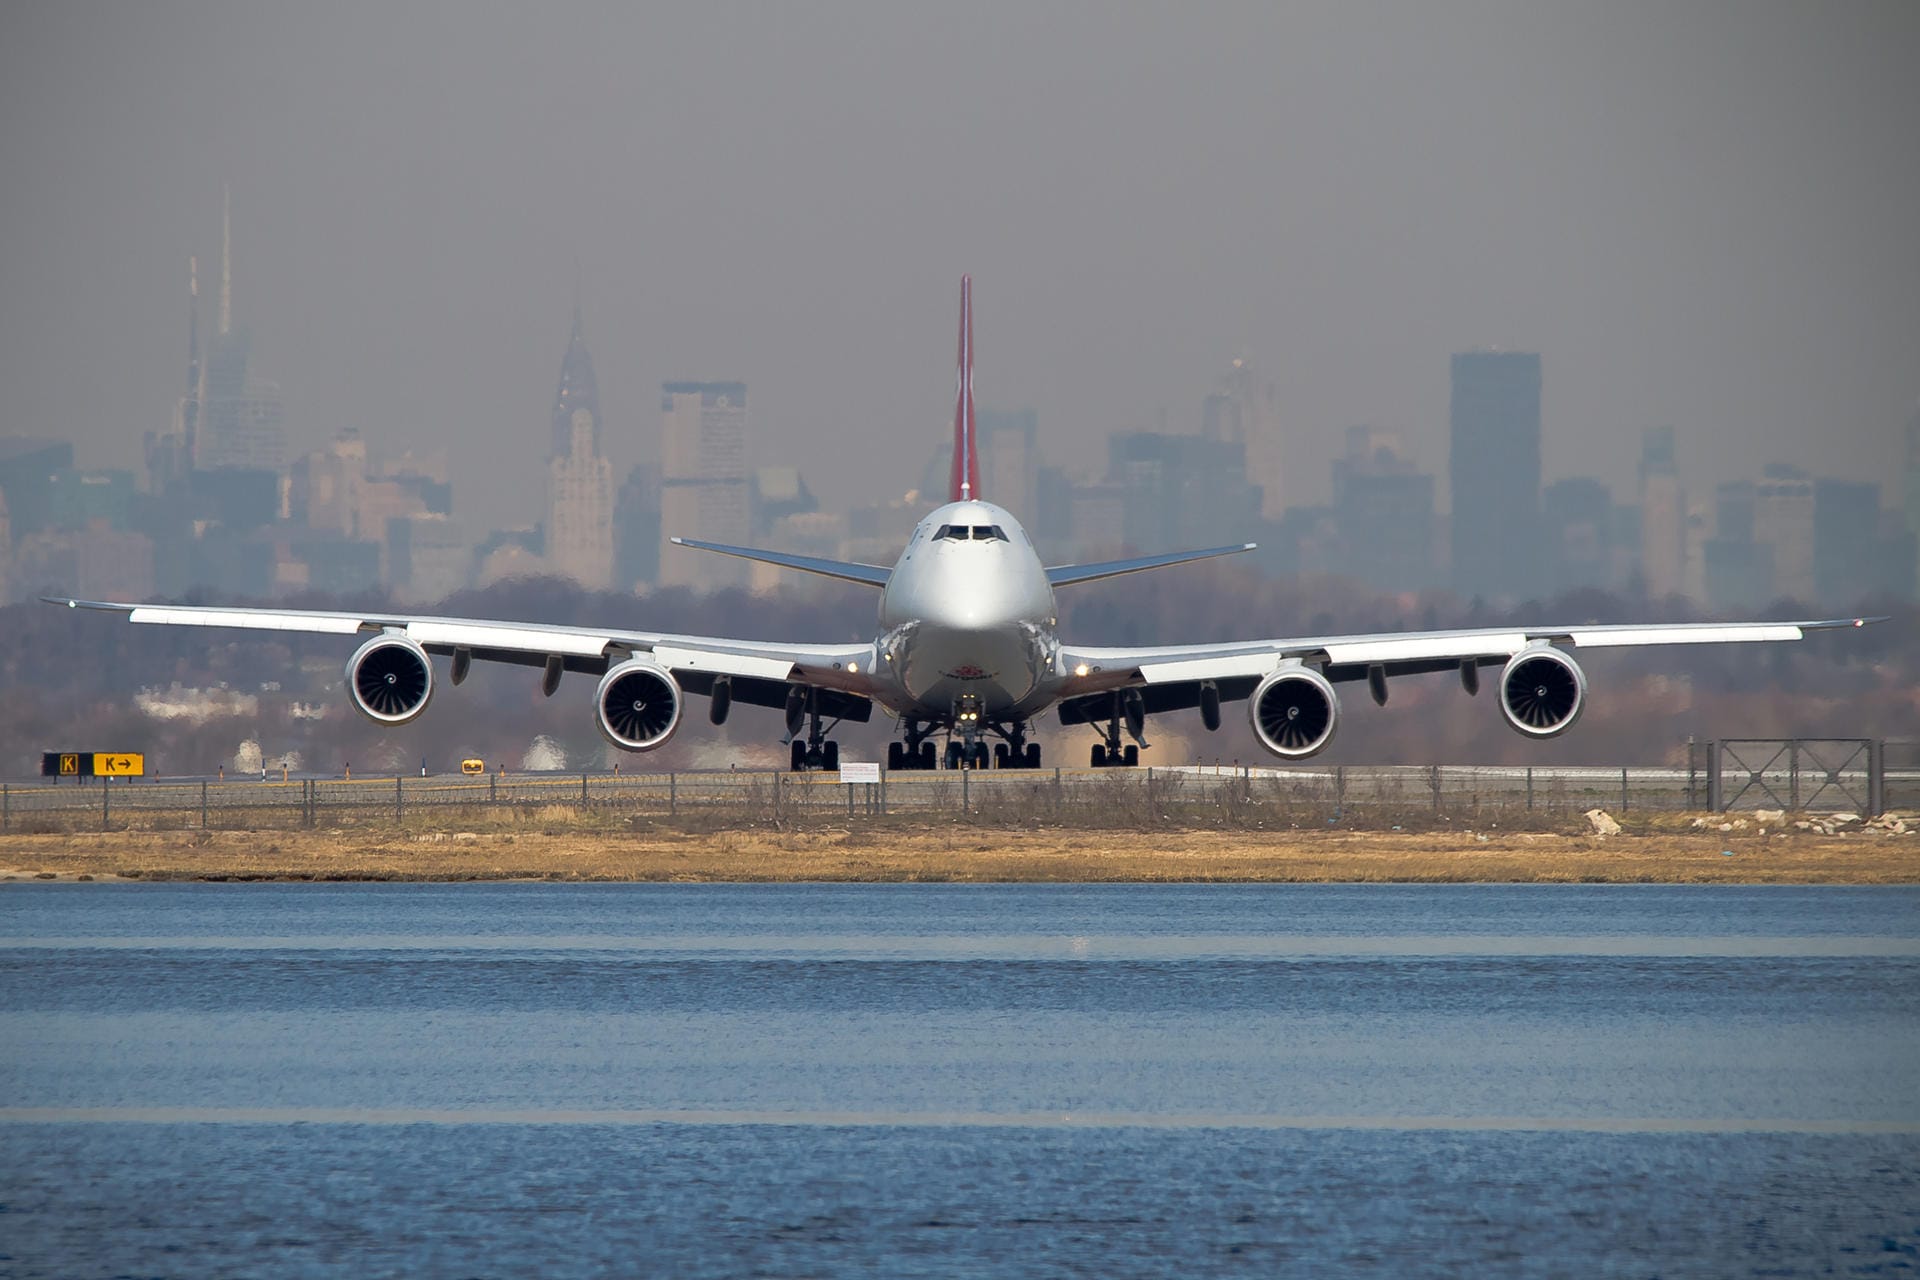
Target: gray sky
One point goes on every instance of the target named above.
(1704, 214)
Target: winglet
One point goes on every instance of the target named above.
(966, 455)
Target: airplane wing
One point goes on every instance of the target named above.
(871, 575)
(1061, 575)
(760, 673)
(1170, 677)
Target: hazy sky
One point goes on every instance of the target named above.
(1703, 214)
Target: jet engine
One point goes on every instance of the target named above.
(1294, 712)
(1542, 691)
(637, 705)
(390, 678)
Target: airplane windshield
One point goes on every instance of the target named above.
(975, 532)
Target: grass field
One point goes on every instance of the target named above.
(554, 842)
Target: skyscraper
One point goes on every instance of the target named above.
(243, 421)
(1783, 521)
(1244, 410)
(1009, 455)
(170, 455)
(1663, 516)
(703, 480)
(1494, 470)
(579, 479)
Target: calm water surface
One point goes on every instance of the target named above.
(204, 1080)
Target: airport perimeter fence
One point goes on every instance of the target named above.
(1798, 774)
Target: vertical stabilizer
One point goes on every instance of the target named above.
(966, 453)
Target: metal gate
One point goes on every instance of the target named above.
(1797, 774)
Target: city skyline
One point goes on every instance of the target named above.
(1696, 216)
(352, 515)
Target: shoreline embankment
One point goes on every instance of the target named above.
(890, 850)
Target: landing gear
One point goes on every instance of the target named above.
(966, 748)
(825, 757)
(815, 750)
(1129, 711)
(917, 752)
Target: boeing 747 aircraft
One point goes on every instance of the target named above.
(966, 653)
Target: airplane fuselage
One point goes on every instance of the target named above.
(967, 621)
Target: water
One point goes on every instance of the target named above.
(900, 1080)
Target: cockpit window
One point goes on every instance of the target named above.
(976, 532)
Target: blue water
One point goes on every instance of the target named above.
(979, 1080)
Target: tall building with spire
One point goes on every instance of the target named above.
(579, 524)
(242, 419)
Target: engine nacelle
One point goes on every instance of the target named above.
(637, 705)
(1294, 712)
(390, 679)
(1542, 691)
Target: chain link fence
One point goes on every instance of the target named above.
(1797, 774)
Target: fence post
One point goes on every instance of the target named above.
(203, 804)
(105, 804)
(1690, 776)
(1435, 771)
(673, 794)
(493, 792)
(966, 779)
(397, 812)
(1876, 777)
(6, 808)
(1339, 790)
(1529, 787)
(1623, 788)
(1713, 777)
(583, 786)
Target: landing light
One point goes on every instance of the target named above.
(1080, 670)
(853, 668)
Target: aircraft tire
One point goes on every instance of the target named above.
(1133, 756)
(830, 757)
(896, 757)
(927, 756)
(1032, 755)
(797, 755)
(1099, 756)
(953, 755)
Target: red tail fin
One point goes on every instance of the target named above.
(966, 455)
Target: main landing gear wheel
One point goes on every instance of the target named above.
(825, 757)
(954, 750)
(1032, 754)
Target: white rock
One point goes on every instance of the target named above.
(1602, 823)
(1843, 818)
(1769, 817)
(1725, 826)
(1699, 824)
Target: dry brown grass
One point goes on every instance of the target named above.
(1661, 851)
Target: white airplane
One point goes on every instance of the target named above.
(967, 652)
